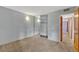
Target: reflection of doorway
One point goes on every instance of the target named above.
(67, 30)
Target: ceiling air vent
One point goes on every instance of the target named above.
(66, 9)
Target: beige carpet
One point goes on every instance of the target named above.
(33, 44)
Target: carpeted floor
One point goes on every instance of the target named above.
(33, 44)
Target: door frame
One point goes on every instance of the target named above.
(76, 32)
(61, 27)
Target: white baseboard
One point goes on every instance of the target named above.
(20, 38)
(9, 41)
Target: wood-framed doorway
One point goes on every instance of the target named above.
(66, 30)
(76, 29)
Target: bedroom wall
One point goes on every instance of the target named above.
(13, 25)
(54, 23)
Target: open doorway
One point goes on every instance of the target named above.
(67, 30)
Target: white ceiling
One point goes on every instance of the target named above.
(37, 10)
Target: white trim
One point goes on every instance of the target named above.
(20, 38)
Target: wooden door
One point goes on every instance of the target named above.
(76, 29)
